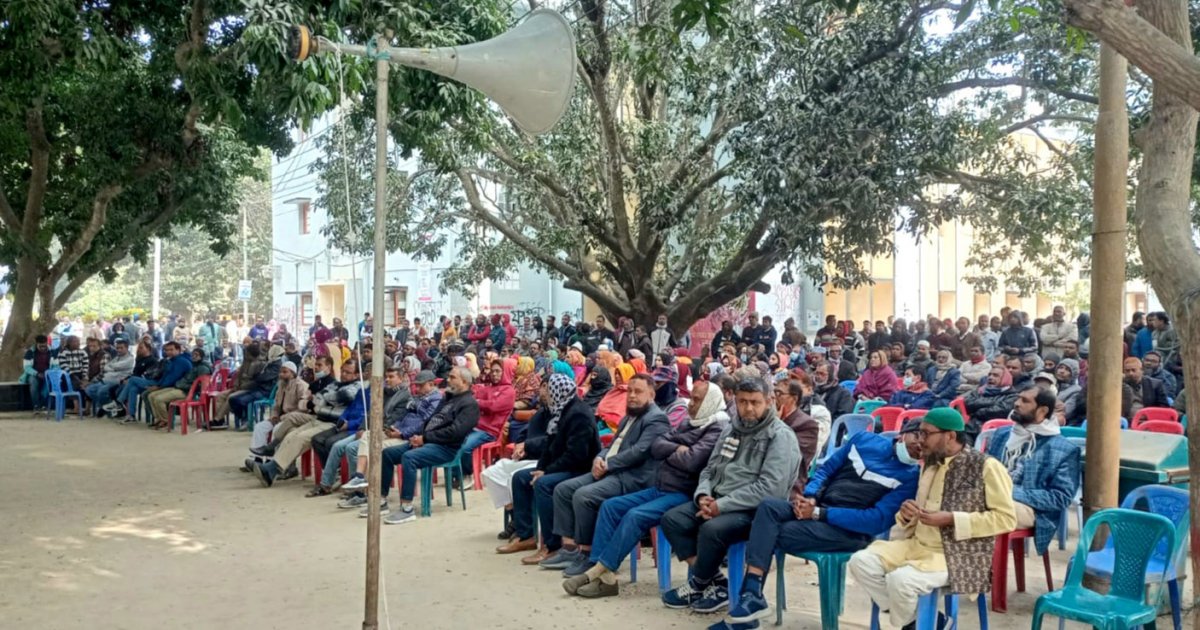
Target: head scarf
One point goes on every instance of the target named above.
(626, 371)
(564, 368)
(524, 366)
(322, 335)
(575, 357)
(562, 390)
(712, 409)
(552, 355)
(634, 353)
(714, 369)
(639, 366)
(601, 383)
(274, 353)
(472, 365)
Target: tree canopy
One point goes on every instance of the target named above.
(699, 152)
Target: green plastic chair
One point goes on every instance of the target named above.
(1135, 536)
(867, 406)
(831, 574)
(259, 408)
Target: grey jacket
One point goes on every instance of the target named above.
(747, 466)
(632, 465)
(117, 369)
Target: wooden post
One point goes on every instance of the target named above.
(1101, 472)
(374, 467)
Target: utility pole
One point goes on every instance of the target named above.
(245, 269)
(157, 277)
(1101, 470)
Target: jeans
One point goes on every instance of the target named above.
(475, 439)
(776, 527)
(133, 388)
(706, 540)
(322, 443)
(100, 393)
(333, 462)
(389, 458)
(576, 502)
(525, 495)
(625, 519)
(241, 401)
(418, 458)
(37, 389)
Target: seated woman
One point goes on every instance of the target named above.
(878, 381)
(528, 437)
(598, 384)
(612, 407)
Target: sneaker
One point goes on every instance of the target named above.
(352, 501)
(111, 407)
(401, 516)
(715, 597)
(561, 560)
(266, 473)
(725, 624)
(579, 567)
(357, 482)
(366, 510)
(597, 588)
(684, 596)
(751, 607)
(125, 419)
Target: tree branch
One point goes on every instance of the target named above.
(995, 82)
(7, 215)
(1050, 145)
(39, 176)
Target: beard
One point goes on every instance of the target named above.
(933, 459)
(636, 411)
(1024, 419)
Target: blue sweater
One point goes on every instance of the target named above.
(356, 414)
(862, 484)
(420, 410)
(176, 369)
(1142, 343)
(910, 400)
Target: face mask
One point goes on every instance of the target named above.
(322, 374)
(794, 356)
(908, 381)
(902, 454)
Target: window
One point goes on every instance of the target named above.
(395, 302)
(303, 208)
(306, 309)
(511, 282)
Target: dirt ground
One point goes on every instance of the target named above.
(108, 526)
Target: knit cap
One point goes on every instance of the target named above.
(944, 418)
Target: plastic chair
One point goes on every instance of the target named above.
(1160, 426)
(1074, 432)
(1013, 540)
(1168, 502)
(1147, 414)
(1076, 506)
(849, 385)
(981, 440)
(868, 406)
(187, 406)
(737, 566)
(960, 405)
(219, 383)
(1137, 535)
(452, 469)
(927, 611)
(888, 417)
(907, 415)
(1124, 424)
(852, 424)
(831, 575)
(57, 393)
(485, 455)
(259, 408)
(994, 424)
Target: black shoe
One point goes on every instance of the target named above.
(508, 532)
(289, 473)
(266, 473)
(264, 451)
(248, 465)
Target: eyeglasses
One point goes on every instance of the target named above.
(925, 434)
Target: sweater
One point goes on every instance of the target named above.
(750, 463)
(118, 369)
(418, 411)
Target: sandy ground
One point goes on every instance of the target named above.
(107, 526)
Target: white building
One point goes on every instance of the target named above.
(313, 278)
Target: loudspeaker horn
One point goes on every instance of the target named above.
(528, 71)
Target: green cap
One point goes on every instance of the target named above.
(944, 418)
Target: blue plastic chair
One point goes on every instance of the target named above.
(1137, 535)
(867, 406)
(852, 423)
(260, 408)
(1076, 506)
(451, 470)
(927, 611)
(737, 567)
(1165, 501)
(849, 385)
(54, 384)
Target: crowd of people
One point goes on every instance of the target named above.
(609, 432)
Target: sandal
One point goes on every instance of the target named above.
(318, 491)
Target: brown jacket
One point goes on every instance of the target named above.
(807, 431)
(290, 397)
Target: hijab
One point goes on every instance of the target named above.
(627, 372)
(666, 394)
(601, 384)
(564, 368)
(639, 366)
(562, 390)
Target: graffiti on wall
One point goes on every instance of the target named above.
(703, 331)
(286, 315)
(429, 312)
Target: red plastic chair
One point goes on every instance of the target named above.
(1161, 426)
(996, 423)
(1153, 413)
(907, 415)
(219, 383)
(1013, 540)
(959, 405)
(889, 416)
(186, 406)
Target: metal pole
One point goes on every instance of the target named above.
(246, 268)
(1101, 474)
(157, 277)
(371, 613)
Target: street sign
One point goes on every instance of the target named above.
(244, 290)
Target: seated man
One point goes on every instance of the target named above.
(177, 366)
(852, 498)
(916, 393)
(756, 457)
(117, 369)
(38, 360)
(572, 442)
(261, 384)
(396, 396)
(349, 426)
(413, 412)
(325, 408)
(160, 398)
(946, 535)
(243, 381)
(993, 401)
(437, 443)
(1147, 392)
(290, 397)
(622, 468)
(1044, 465)
(623, 520)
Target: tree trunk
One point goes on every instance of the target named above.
(22, 328)
(1164, 231)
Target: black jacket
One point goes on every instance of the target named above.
(266, 379)
(837, 399)
(536, 439)
(453, 420)
(982, 407)
(680, 472)
(575, 444)
(1154, 394)
(632, 465)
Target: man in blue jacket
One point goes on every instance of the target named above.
(177, 367)
(853, 497)
(1043, 464)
